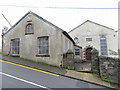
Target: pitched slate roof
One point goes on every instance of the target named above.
(30, 12)
(91, 22)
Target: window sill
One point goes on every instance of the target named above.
(29, 33)
(42, 55)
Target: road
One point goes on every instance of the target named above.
(19, 76)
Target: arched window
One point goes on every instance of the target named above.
(29, 28)
(76, 40)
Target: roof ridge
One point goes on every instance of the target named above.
(100, 24)
(46, 21)
(30, 12)
(78, 26)
(91, 22)
(17, 23)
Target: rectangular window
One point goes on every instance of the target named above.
(15, 46)
(29, 28)
(77, 51)
(88, 39)
(66, 45)
(103, 45)
(43, 45)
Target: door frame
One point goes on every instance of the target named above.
(86, 55)
(84, 52)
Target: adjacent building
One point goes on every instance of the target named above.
(91, 35)
(35, 38)
(119, 42)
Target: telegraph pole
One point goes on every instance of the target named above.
(3, 29)
(6, 20)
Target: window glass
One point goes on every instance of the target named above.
(43, 45)
(77, 51)
(29, 28)
(103, 45)
(15, 46)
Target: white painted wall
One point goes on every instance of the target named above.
(92, 30)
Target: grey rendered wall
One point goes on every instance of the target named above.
(28, 43)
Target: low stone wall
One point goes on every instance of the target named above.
(109, 69)
(71, 62)
(82, 66)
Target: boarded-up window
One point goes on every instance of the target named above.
(15, 46)
(43, 45)
(29, 28)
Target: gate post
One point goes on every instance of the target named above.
(68, 60)
(94, 61)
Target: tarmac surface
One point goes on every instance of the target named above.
(23, 76)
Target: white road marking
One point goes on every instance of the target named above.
(23, 80)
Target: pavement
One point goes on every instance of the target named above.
(80, 79)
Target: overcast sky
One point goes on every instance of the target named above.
(66, 14)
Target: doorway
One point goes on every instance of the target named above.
(88, 54)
